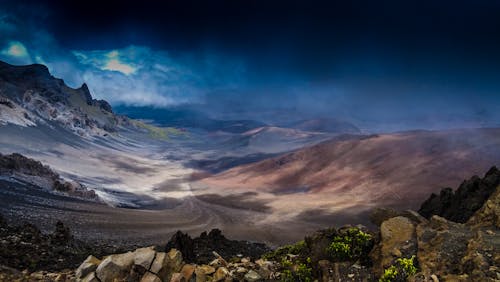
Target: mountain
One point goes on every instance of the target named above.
(352, 174)
(31, 96)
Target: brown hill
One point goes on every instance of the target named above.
(397, 170)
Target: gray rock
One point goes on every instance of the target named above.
(115, 267)
(89, 265)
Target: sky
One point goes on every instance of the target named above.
(386, 64)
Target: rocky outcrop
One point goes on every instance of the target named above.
(445, 250)
(20, 168)
(30, 96)
(200, 249)
(460, 205)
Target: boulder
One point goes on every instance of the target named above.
(177, 277)
(115, 267)
(202, 272)
(165, 264)
(397, 239)
(89, 265)
(144, 257)
(188, 271)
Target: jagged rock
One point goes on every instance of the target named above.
(204, 245)
(252, 276)
(144, 257)
(489, 214)
(89, 265)
(150, 277)
(115, 267)
(397, 239)
(466, 200)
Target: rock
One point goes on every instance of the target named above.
(188, 271)
(252, 276)
(467, 199)
(397, 239)
(89, 265)
(164, 265)
(144, 257)
(489, 214)
(115, 267)
(91, 277)
(184, 244)
(202, 272)
(221, 274)
(150, 277)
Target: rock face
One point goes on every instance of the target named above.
(20, 168)
(466, 200)
(30, 96)
(447, 250)
(200, 249)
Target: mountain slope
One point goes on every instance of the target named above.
(394, 169)
(30, 96)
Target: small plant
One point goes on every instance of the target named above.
(400, 271)
(300, 272)
(389, 275)
(351, 245)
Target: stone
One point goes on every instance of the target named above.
(150, 277)
(187, 271)
(397, 239)
(115, 267)
(202, 272)
(221, 274)
(91, 277)
(252, 276)
(144, 257)
(165, 264)
(88, 265)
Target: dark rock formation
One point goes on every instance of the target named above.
(22, 168)
(200, 249)
(466, 200)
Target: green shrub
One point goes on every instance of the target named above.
(300, 272)
(351, 245)
(400, 271)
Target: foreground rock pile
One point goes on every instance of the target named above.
(148, 265)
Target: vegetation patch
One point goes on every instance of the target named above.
(351, 245)
(160, 133)
(400, 271)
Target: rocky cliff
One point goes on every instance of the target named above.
(30, 96)
(16, 167)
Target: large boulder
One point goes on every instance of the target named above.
(144, 257)
(397, 240)
(166, 264)
(88, 266)
(115, 267)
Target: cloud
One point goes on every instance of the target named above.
(17, 52)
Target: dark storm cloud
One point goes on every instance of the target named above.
(390, 62)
